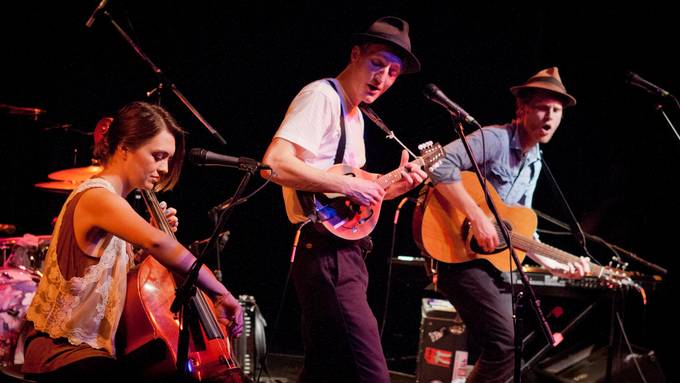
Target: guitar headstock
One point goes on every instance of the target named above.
(616, 277)
(431, 155)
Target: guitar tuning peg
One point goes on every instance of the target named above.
(420, 146)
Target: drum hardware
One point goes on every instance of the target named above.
(17, 287)
(26, 253)
(19, 277)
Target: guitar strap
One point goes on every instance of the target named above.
(307, 198)
(340, 153)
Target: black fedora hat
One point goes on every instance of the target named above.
(393, 32)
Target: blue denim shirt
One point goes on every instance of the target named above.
(512, 173)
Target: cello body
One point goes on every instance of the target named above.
(148, 333)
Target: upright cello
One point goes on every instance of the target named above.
(149, 331)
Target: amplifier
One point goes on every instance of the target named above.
(251, 346)
(442, 350)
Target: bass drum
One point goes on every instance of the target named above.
(17, 288)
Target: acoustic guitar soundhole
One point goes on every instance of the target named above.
(466, 233)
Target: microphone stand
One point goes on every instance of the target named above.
(659, 107)
(180, 304)
(165, 83)
(575, 227)
(617, 250)
(528, 292)
(197, 247)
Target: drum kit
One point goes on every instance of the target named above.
(21, 270)
(22, 264)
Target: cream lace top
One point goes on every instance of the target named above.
(83, 309)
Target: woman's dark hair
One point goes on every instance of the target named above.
(136, 123)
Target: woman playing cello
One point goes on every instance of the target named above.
(78, 305)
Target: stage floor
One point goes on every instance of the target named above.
(284, 368)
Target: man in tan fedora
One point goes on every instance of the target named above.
(324, 126)
(511, 156)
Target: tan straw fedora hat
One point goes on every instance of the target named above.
(547, 79)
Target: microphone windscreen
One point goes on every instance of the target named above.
(430, 90)
(197, 155)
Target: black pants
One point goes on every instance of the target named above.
(484, 302)
(96, 369)
(339, 331)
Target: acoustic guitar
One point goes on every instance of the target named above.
(443, 232)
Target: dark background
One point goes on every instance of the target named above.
(241, 63)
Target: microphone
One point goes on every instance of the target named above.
(433, 93)
(635, 80)
(101, 6)
(204, 157)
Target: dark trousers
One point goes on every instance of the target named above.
(484, 302)
(339, 331)
(96, 369)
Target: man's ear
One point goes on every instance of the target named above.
(521, 110)
(355, 54)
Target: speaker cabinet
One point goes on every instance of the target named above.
(442, 355)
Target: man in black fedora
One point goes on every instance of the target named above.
(511, 156)
(324, 126)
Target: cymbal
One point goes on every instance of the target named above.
(58, 186)
(76, 174)
(22, 111)
(7, 228)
